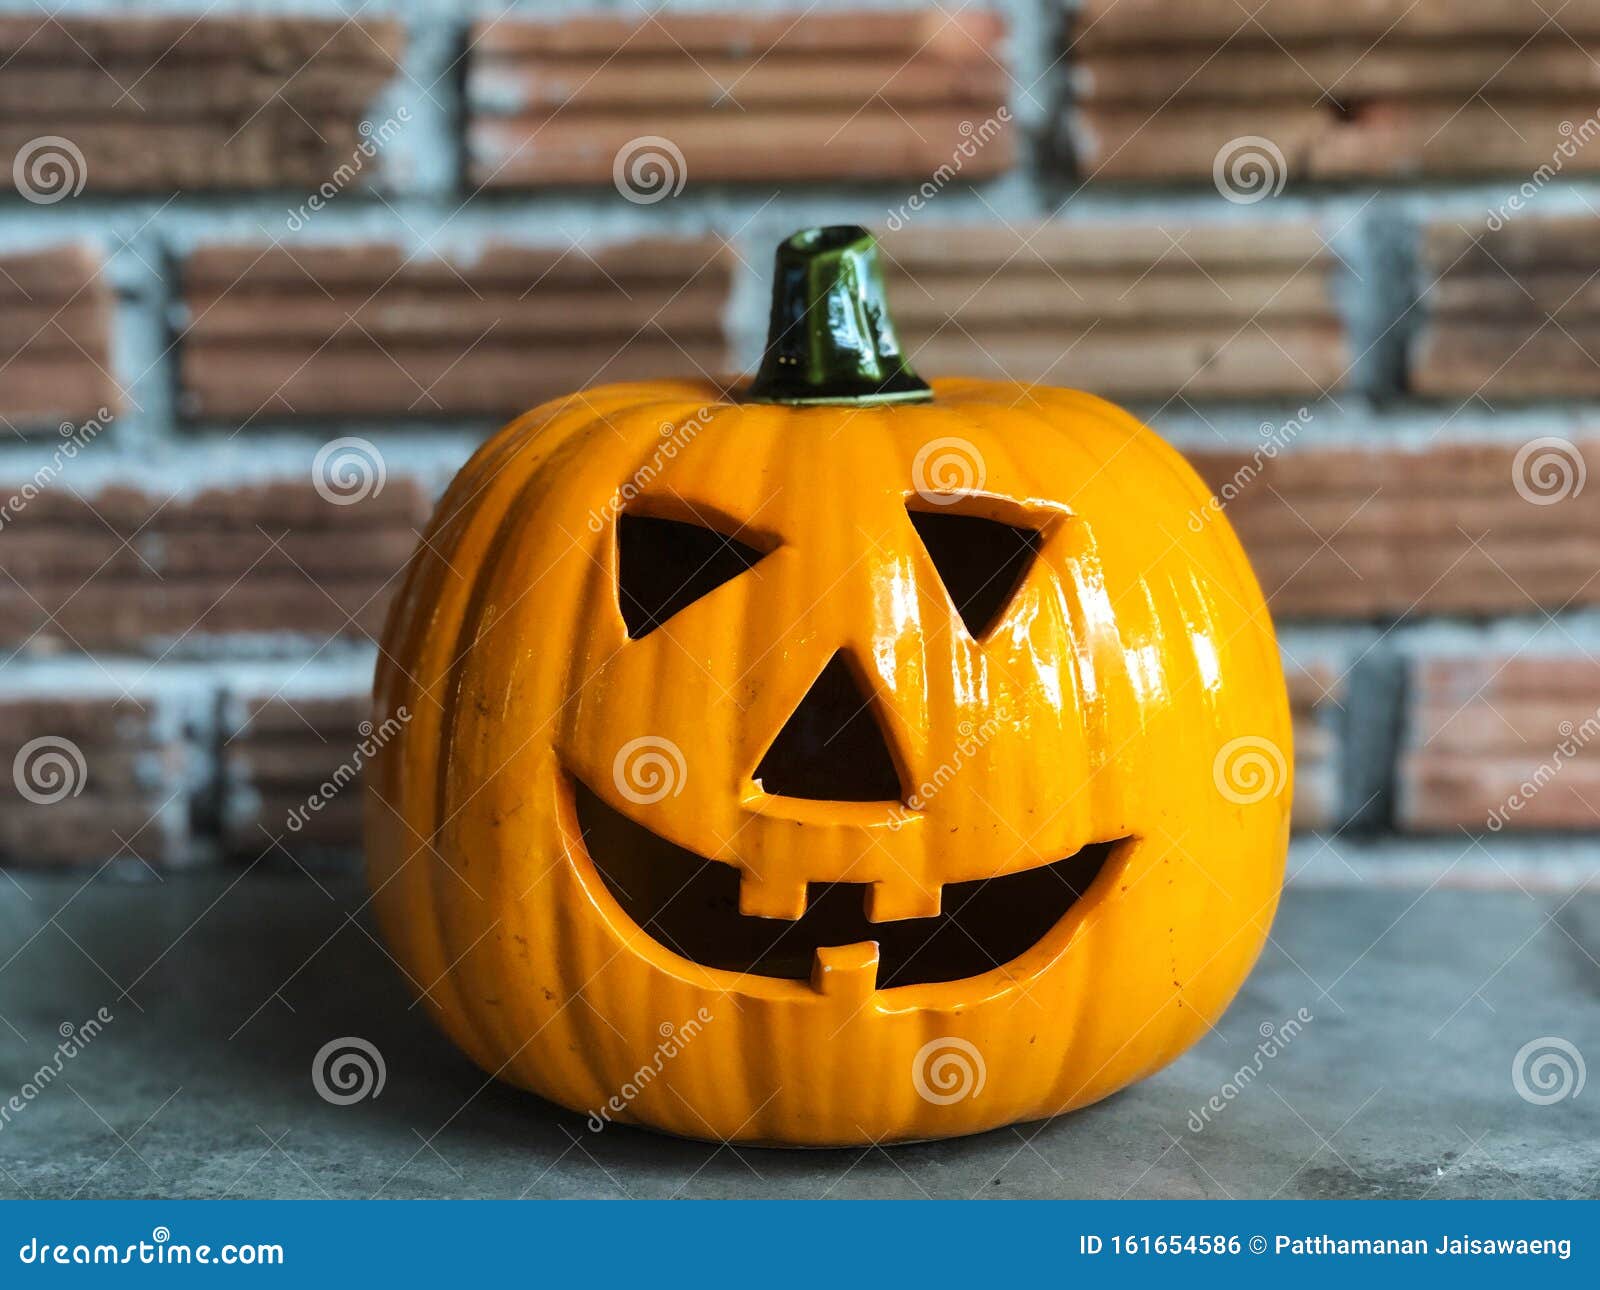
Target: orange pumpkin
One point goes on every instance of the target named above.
(837, 761)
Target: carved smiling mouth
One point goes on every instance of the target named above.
(690, 906)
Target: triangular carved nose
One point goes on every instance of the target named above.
(831, 748)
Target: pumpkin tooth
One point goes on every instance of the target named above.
(766, 898)
(888, 902)
(848, 972)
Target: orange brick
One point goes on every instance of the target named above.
(1314, 697)
(1377, 533)
(126, 569)
(1127, 310)
(1502, 743)
(116, 778)
(55, 348)
(739, 98)
(1386, 89)
(1509, 312)
(367, 330)
(280, 760)
(200, 103)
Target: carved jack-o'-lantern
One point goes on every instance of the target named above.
(841, 760)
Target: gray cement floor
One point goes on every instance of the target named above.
(222, 989)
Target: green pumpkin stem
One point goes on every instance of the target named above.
(831, 339)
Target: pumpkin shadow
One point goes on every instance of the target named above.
(312, 975)
(239, 1008)
(262, 997)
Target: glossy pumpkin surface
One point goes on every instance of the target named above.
(599, 899)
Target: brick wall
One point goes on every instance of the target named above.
(268, 272)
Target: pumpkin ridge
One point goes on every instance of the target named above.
(413, 875)
(494, 506)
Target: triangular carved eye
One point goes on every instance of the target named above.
(831, 749)
(666, 565)
(981, 562)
